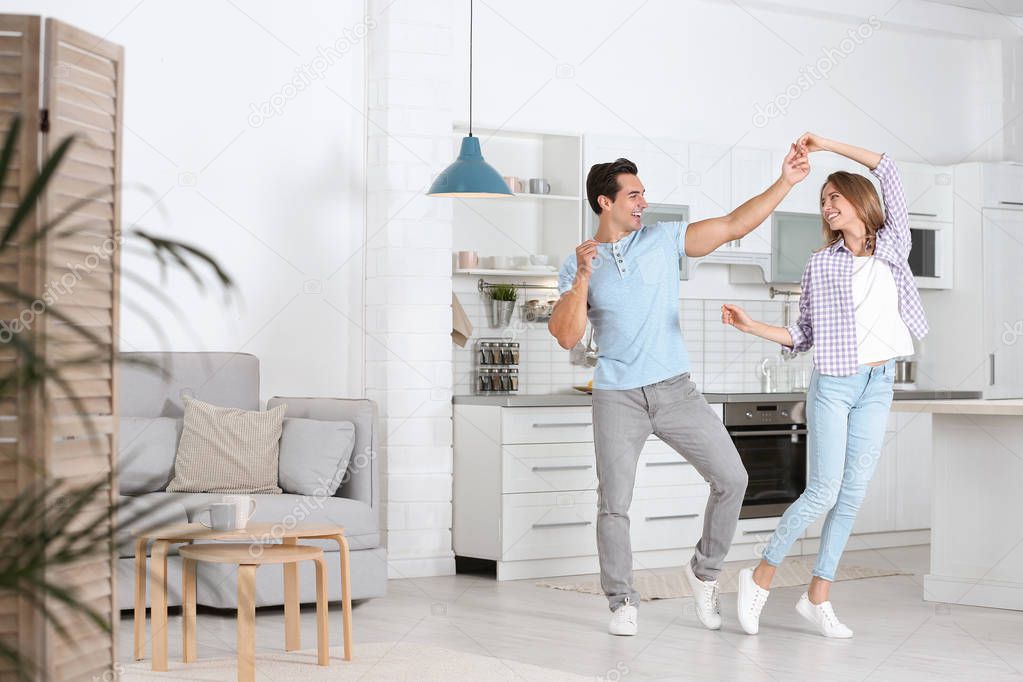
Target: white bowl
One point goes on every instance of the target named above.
(541, 259)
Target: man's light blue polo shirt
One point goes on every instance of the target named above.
(634, 307)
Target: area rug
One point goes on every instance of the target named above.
(670, 583)
(378, 661)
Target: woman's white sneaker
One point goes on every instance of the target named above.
(823, 616)
(624, 619)
(750, 602)
(705, 596)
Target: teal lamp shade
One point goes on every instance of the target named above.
(469, 176)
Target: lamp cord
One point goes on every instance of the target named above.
(470, 68)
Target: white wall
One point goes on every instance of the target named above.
(279, 202)
(698, 71)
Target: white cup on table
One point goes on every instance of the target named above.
(222, 516)
(245, 507)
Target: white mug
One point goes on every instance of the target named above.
(245, 507)
(539, 186)
(222, 516)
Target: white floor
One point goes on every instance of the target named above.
(898, 635)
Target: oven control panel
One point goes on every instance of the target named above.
(765, 413)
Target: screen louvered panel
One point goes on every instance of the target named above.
(82, 76)
(20, 78)
(62, 286)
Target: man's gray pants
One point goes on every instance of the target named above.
(676, 412)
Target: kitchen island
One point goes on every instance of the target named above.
(976, 502)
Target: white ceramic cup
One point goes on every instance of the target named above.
(540, 259)
(519, 262)
(244, 506)
(539, 186)
(222, 516)
(500, 262)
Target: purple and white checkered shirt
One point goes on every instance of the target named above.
(827, 321)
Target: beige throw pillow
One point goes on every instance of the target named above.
(227, 450)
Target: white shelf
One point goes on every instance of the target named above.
(524, 222)
(527, 196)
(552, 197)
(507, 273)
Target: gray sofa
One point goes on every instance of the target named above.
(232, 380)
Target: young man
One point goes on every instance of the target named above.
(626, 281)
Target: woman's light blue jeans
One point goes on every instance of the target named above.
(846, 419)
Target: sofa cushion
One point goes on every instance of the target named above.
(146, 458)
(314, 455)
(227, 450)
(362, 527)
(145, 511)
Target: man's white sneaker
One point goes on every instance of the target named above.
(823, 616)
(751, 600)
(705, 596)
(624, 619)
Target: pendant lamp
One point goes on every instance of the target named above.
(469, 176)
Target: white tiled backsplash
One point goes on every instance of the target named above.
(722, 358)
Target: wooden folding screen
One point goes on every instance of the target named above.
(63, 81)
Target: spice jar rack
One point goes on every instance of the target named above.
(497, 366)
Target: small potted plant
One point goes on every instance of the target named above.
(502, 304)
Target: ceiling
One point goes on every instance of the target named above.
(1011, 8)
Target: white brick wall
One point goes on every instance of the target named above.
(408, 278)
(721, 358)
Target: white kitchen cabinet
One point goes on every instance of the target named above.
(666, 517)
(525, 493)
(752, 172)
(707, 180)
(913, 475)
(1003, 312)
(662, 163)
(1002, 185)
(547, 525)
(929, 193)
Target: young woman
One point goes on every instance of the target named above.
(858, 306)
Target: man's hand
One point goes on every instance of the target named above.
(796, 166)
(810, 142)
(568, 321)
(584, 255)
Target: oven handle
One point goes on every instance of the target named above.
(793, 432)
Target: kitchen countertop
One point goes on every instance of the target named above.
(575, 399)
(1010, 408)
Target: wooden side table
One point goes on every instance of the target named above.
(248, 560)
(162, 538)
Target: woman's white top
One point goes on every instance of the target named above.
(880, 332)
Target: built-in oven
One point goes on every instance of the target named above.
(771, 439)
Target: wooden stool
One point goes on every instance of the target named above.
(248, 558)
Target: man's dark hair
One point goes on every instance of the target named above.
(602, 180)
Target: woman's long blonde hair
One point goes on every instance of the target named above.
(861, 194)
